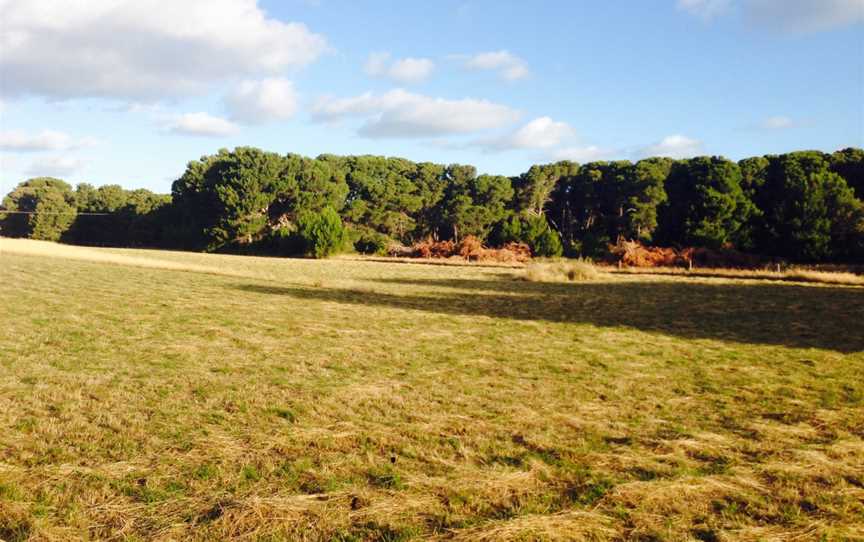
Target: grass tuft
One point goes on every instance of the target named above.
(562, 271)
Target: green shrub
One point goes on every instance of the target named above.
(323, 234)
(546, 242)
(534, 231)
(371, 242)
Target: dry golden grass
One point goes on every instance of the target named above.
(561, 271)
(212, 397)
(28, 247)
(795, 274)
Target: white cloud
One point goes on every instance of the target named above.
(401, 114)
(673, 146)
(261, 101)
(376, 64)
(46, 140)
(706, 9)
(411, 70)
(805, 15)
(132, 49)
(405, 70)
(540, 133)
(783, 15)
(777, 123)
(55, 166)
(202, 124)
(508, 65)
(589, 153)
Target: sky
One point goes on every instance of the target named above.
(129, 91)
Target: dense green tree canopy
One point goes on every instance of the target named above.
(849, 164)
(472, 204)
(382, 194)
(645, 193)
(802, 205)
(706, 204)
(808, 212)
(533, 189)
(49, 205)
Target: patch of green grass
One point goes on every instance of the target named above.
(206, 471)
(385, 477)
(249, 473)
(285, 413)
(9, 491)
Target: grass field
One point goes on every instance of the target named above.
(163, 396)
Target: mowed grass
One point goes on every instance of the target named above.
(225, 397)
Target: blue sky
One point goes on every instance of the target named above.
(127, 92)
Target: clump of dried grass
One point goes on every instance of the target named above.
(569, 525)
(562, 271)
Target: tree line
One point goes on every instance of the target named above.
(802, 206)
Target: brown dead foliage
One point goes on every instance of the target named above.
(469, 248)
(429, 248)
(635, 254)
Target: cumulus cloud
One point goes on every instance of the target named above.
(55, 166)
(401, 114)
(805, 15)
(706, 9)
(201, 124)
(588, 153)
(783, 15)
(540, 133)
(506, 64)
(411, 70)
(46, 140)
(257, 102)
(673, 146)
(404, 70)
(143, 49)
(377, 64)
(777, 123)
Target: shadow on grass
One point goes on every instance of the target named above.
(830, 318)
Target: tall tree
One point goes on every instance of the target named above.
(382, 194)
(41, 208)
(237, 197)
(534, 188)
(849, 164)
(592, 206)
(706, 205)
(431, 184)
(307, 185)
(645, 193)
(474, 204)
(808, 211)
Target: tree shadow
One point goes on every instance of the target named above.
(830, 318)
